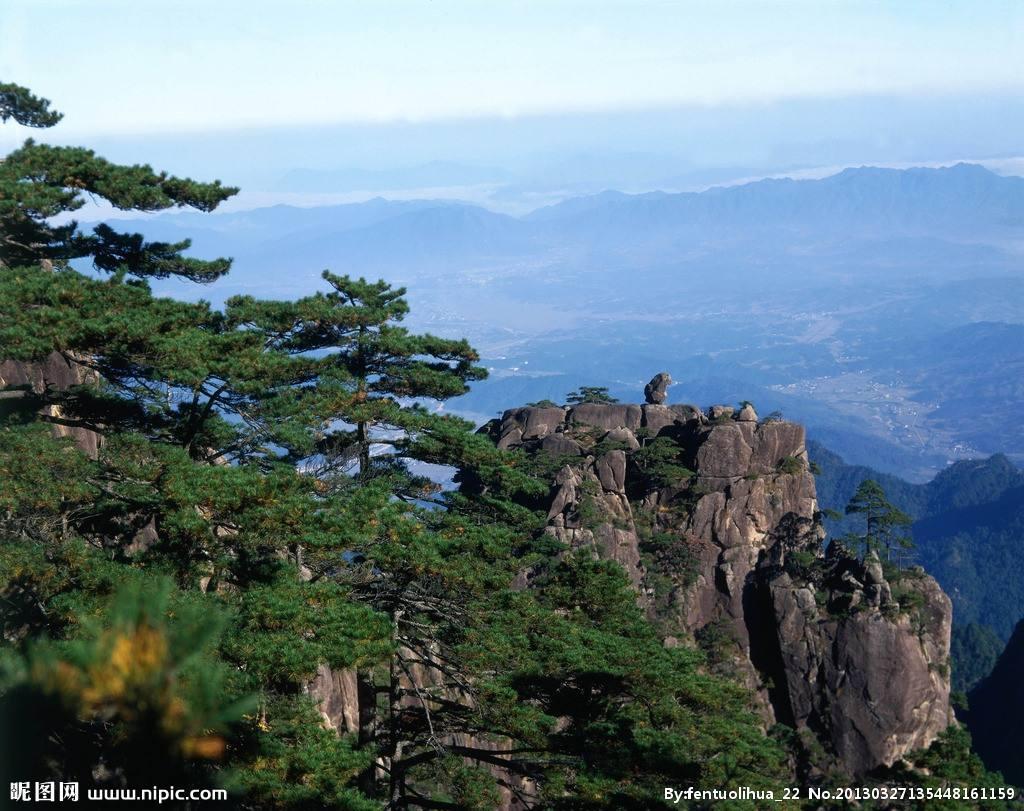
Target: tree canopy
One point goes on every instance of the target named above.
(218, 512)
(590, 394)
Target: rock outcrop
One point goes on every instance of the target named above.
(850, 664)
(18, 378)
(656, 391)
(714, 518)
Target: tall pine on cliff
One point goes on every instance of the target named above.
(126, 690)
(211, 506)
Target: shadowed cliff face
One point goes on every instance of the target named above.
(714, 518)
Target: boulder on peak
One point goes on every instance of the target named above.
(656, 391)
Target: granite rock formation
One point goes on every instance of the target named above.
(18, 378)
(656, 392)
(865, 675)
(714, 518)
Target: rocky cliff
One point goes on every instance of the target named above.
(713, 516)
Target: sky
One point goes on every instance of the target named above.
(142, 66)
(557, 97)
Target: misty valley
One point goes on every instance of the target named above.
(882, 307)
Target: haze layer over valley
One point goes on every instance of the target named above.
(883, 307)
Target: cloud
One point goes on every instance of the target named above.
(118, 67)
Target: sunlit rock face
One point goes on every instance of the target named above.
(713, 516)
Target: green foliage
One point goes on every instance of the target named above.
(590, 513)
(546, 466)
(974, 650)
(466, 786)
(659, 461)
(39, 182)
(671, 553)
(364, 364)
(633, 714)
(996, 711)
(29, 110)
(290, 761)
(283, 631)
(968, 522)
(136, 687)
(948, 762)
(803, 564)
(717, 640)
(976, 555)
(671, 561)
(791, 465)
(909, 597)
(38, 472)
(590, 394)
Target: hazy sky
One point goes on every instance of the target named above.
(142, 66)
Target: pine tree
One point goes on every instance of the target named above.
(193, 476)
(590, 394)
(250, 512)
(370, 371)
(39, 182)
(886, 526)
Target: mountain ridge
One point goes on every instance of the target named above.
(948, 185)
(951, 181)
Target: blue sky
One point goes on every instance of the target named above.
(140, 66)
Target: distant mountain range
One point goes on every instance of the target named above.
(964, 195)
(882, 307)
